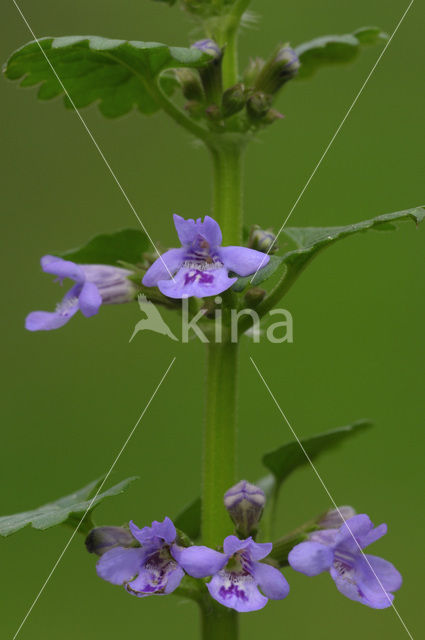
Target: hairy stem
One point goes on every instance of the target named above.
(229, 38)
(219, 623)
(219, 441)
(227, 185)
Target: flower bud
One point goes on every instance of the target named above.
(258, 105)
(103, 539)
(213, 113)
(252, 71)
(210, 73)
(254, 296)
(234, 99)
(335, 518)
(245, 503)
(190, 83)
(281, 67)
(271, 116)
(262, 240)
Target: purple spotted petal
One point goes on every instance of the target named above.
(62, 268)
(158, 568)
(174, 579)
(120, 565)
(243, 261)
(311, 558)
(236, 591)
(168, 263)
(89, 299)
(197, 282)
(357, 582)
(189, 230)
(271, 581)
(199, 562)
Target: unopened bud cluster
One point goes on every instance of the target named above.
(252, 97)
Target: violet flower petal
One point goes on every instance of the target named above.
(168, 263)
(271, 581)
(89, 299)
(47, 320)
(189, 230)
(311, 558)
(199, 561)
(388, 575)
(120, 565)
(358, 526)
(62, 268)
(242, 260)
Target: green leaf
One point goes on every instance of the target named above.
(67, 510)
(284, 460)
(306, 242)
(189, 519)
(115, 73)
(126, 245)
(330, 50)
(262, 274)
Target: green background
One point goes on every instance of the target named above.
(72, 396)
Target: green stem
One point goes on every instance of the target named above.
(219, 471)
(229, 38)
(174, 111)
(219, 623)
(227, 194)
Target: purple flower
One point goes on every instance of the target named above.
(95, 284)
(236, 574)
(201, 267)
(147, 570)
(365, 578)
(245, 503)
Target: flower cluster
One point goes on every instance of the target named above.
(159, 564)
(199, 268)
(237, 577)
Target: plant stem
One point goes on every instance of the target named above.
(219, 441)
(227, 186)
(219, 623)
(229, 38)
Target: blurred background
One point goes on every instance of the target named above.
(71, 397)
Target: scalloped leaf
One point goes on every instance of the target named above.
(126, 245)
(67, 510)
(306, 242)
(290, 456)
(329, 50)
(115, 73)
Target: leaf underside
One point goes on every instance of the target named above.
(281, 462)
(67, 510)
(330, 50)
(114, 73)
(306, 242)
